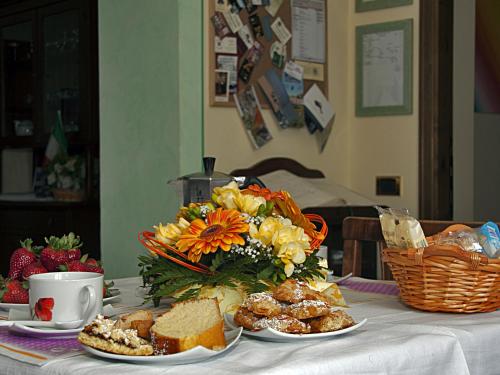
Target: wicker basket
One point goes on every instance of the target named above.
(445, 278)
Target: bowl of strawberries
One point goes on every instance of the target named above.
(58, 254)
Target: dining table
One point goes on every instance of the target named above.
(396, 339)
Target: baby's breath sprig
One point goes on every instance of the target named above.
(257, 220)
(254, 249)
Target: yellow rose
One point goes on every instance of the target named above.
(225, 196)
(291, 233)
(171, 233)
(266, 231)
(291, 253)
(249, 204)
(183, 224)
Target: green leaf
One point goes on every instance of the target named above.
(217, 261)
(261, 210)
(265, 273)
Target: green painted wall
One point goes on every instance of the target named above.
(150, 117)
(191, 84)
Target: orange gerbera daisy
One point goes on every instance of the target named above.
(222, 229)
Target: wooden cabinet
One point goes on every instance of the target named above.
(48, 66)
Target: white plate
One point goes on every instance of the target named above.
(44, 333)
(19, 306)
(115, 295)
(196, 354)
(269, 334)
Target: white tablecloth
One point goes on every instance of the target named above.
(396, 340)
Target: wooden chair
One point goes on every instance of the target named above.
(356, 230)
(276, 164)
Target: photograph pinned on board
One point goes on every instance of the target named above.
(226, 45)
(250, 112)
(261, 2)
(293, 79)
(279, 28)
(278, 99)
(221, 6)
(229, 63)
(266, 27)
(250, 61)
(312, 71)
(220, 26)
(278, 54)
(318, 111)
(273, 7)
(233, 21)
(246, 36)
(221, 85)
(256, 25)
(250, 6)
(298, 107)
(236, 6)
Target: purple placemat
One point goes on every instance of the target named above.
(37, 351)
(371, 287)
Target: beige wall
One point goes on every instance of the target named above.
(385, 145)
(226, 139)
(359, 148)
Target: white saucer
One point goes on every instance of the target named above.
(115, 295)
(18, 306)
(196, 354)
(269, 334)
(44, 333)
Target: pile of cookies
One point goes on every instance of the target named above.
(292, 307)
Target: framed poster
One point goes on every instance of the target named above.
(367, 5)
(384, 68)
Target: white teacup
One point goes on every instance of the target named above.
(66, 296)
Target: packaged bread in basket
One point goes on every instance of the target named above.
(449, 274)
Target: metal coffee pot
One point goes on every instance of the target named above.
(198, 187)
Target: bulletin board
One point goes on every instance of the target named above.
(265, 62)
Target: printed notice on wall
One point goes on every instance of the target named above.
(308, 30)
(383, 69)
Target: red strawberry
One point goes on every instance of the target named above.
(74, 254)
(13, 291)
(106, 290)
(52, 258)
(33, 269)
(97, 269)
(91, 265)
(74, 266)
(60, 251)
(43, 308)
(92, 262)
(20, 258)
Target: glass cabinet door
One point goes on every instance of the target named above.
(17, 79)
(61, 70)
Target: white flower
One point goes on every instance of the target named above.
(51, 179)
(58, 168)
(66, 182)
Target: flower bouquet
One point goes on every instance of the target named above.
(66, 177)
(242, 240)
